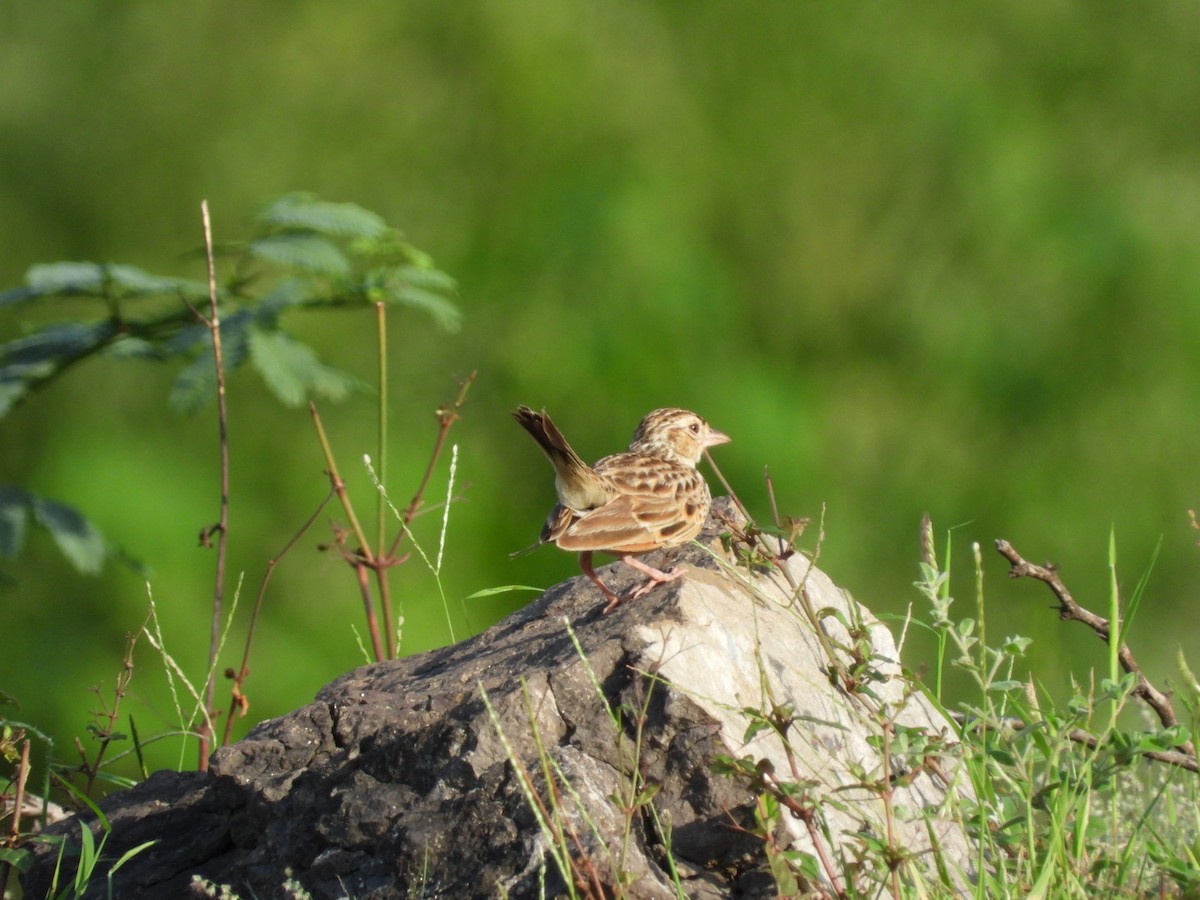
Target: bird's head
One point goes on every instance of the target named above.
(675, 434)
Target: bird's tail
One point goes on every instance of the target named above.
(549, 438)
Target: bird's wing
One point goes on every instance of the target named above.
(667, 509)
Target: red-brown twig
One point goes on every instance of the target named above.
(361, 557)
(1086, 739)
(239, 702)
(806, 812)
(447, 416)
(14, 830)
(1070, 610)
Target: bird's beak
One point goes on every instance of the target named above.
(716, 437)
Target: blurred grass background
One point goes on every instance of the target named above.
(921, 257)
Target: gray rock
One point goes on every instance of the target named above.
(396, 782)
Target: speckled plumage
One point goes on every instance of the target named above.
(648, 497)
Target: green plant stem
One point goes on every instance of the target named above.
(339, 486)
(1114, 611)
(381, 458)
(385, 595)
(887, 795)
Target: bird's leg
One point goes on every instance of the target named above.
(656, 576)
(585, 563)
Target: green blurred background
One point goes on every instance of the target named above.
(912, 257)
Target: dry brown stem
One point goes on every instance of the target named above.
(1070, 610)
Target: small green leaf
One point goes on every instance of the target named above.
(68, 279)
(308, 252)
(128, 347)
(130, 854)
(16, 295)
(756, 725)
(194, 387)
(647, 794)
(428, 279)
(1008, 684)
(508, 588)
(56, 344)
(76, 537)
(38, 356)
(186, 338)
(14, 514)
(1016, 645)
(288, 293)
(424, 289)
(196, 384)
(303, 211)
(12, 389)
(292, 370)
(21, 860)
(133, 282)
(64, 278)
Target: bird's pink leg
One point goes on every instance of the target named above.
(585, 563)
(656, 576)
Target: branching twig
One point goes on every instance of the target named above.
(447, 416)
(1085, 738)
(362, 557)
(1070, 610)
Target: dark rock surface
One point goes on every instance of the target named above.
(395, 781)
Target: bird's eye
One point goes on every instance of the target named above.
(694, 428)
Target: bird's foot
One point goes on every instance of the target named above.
(654, 578)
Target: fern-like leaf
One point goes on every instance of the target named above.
(196, 385)
(304, 212)
(292, 370)
(425, 289)
(307, 252)
(71, 279)
(14, 514)
(75, 536)
(78, 539)
(29, 360)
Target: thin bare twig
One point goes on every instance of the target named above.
(361, 557)
(239, 702)
(1070, 610)
(1087, 739)
(14, 831)
(213, 321)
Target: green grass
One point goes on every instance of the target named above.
(1089, 798)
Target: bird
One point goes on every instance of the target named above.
(629, 503)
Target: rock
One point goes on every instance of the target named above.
(399, 779)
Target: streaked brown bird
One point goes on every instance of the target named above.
(630, 503)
